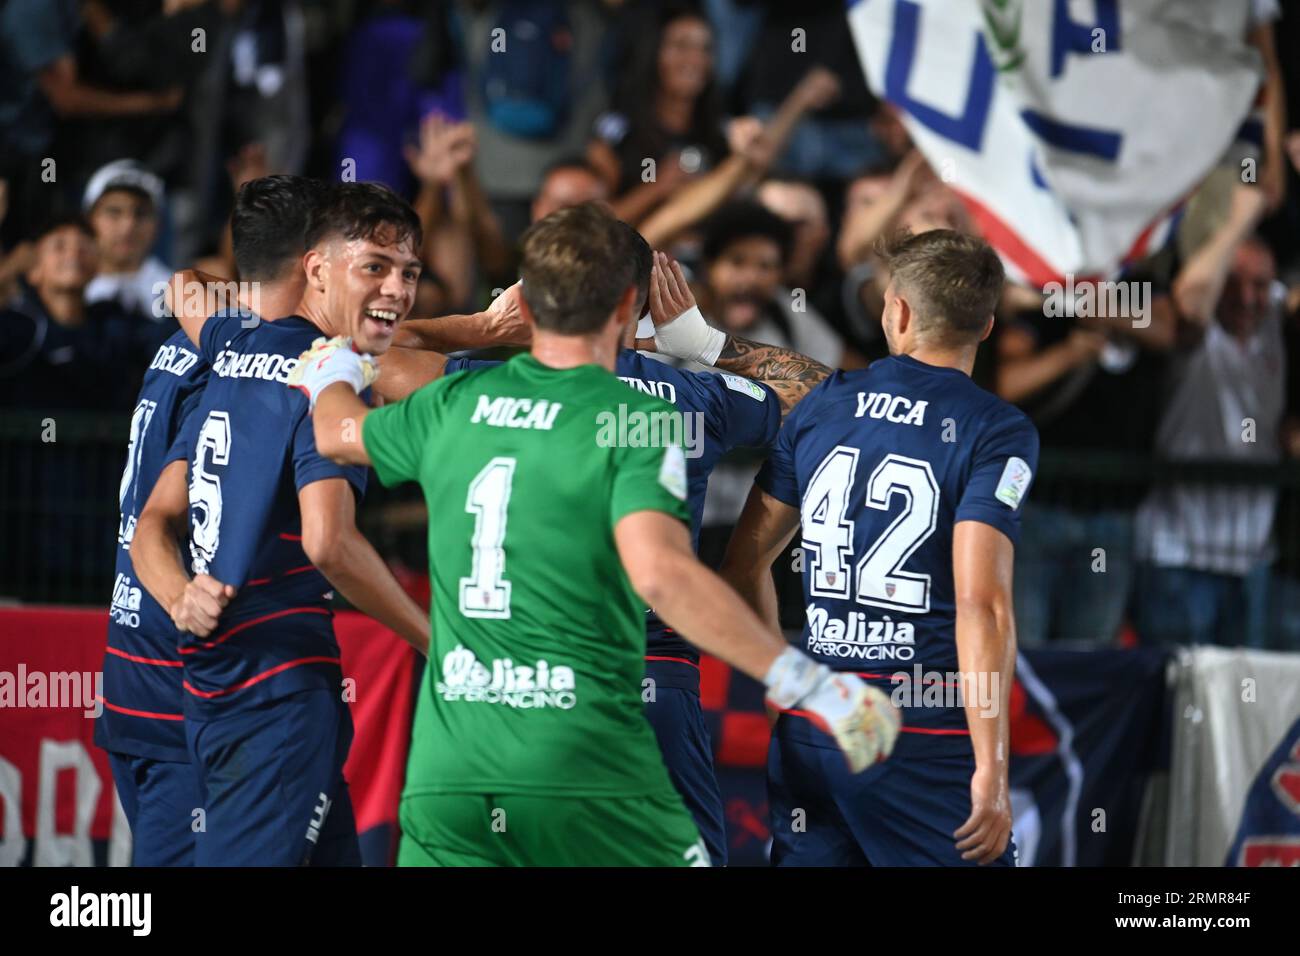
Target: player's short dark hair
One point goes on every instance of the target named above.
(577, 263)
(63, 220)
(369, 211)
(744, 219)
(643, 258)
(269, 224)
(951, 280)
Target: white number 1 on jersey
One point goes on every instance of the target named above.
(878, 577)
(486, 592)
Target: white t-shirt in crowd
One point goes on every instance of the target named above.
(133, 290)
(1226, 404)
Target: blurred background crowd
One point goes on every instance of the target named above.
(1167, 508)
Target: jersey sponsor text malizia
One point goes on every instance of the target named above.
(125, 609)
(883, 640)
(465, 678)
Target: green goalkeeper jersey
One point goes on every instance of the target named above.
(537, 658)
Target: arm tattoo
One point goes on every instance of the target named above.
(788, 373)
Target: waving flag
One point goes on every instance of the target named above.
(1072, 130)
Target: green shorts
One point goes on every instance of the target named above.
(475, 829)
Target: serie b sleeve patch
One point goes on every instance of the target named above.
(672, 473)
(746, 387)
(1015, 479)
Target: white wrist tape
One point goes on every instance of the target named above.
(792, 677)
(689, 337)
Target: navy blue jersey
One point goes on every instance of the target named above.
(882, 463)
(721, 412)
(253, 452)
(142, 672)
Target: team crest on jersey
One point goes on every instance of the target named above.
(1013, 483)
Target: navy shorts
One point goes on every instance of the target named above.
(272, 779)
(902, 812)
(684, 742)
(159, 798)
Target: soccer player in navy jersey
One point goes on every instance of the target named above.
(721, 411)
(271, 529)
(141, 725)
(906, 479)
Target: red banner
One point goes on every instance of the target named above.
(56, 789)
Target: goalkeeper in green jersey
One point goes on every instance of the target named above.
(556, 501)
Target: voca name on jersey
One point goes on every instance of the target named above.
(898, 409)
(268, 366)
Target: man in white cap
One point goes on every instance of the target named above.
(122, 201)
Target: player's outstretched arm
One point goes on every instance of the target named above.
(194, 605)
(655, 549)
(764, 529)
(986, 654)
(191, 309)
(339, 551)
(501, 323)
(680, 331)
(338, 422)
(403, 371)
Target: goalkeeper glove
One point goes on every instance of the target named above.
(861, 719)
(329, 361)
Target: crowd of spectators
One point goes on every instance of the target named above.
(763, 163)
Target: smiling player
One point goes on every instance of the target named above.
(272, 529)
(546, 542)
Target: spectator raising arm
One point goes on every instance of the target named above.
(699, 198)
(867, 220)
(1023, 370)
(1272, 173)
(69, 97)
(445, 148)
